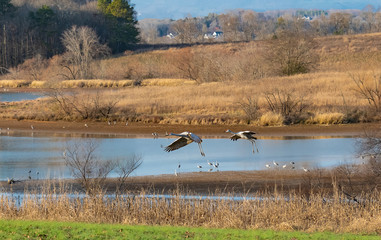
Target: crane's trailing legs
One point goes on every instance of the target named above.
(254, 144)
(248, 135)
(201, 151)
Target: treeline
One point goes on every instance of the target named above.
(246, 25)
(34, 28)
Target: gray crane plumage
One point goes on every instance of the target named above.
(184, 139)
(248, 135)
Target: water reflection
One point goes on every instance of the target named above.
(42, 153)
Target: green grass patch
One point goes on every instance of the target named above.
(20, 229)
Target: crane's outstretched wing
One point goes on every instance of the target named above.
(235, 137)
(249, 134)
(179, 143)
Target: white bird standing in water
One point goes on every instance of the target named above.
(216, 164)
(184, 139)
(248, 135)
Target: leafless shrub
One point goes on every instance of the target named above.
(369, 88)
(83, 106)
(314, 179)
(370, 149)
(251, 108)
(124, 167)
(187, 64)
(346, 172)
(85, 166)
(287, 104)
(61, 98)
(34, 67)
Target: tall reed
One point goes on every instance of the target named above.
(263, 210)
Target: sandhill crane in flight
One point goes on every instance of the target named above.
(184, 139)
(12, 181)
(248, 135)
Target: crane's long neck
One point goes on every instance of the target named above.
(179, 135)
(231, 131)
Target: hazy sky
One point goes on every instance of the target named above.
(176, 9)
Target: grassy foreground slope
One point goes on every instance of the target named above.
(12, 229)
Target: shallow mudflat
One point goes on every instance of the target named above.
(161, 129)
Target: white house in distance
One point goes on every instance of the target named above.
(214, 35)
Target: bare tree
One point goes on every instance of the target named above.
(124, 167)
(82, 46)
(370, 151)
(188, 64)
(231, 24)
(85, 166)
(369, 88)
(340, 22)
(188, 30)
(249, 25)
(292, 52)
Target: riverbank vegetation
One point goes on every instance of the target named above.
(342, 205)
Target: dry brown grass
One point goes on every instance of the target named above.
(237, 71)
(13, 83)
(317, 211)
(214, 102)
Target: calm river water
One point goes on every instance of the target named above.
(16, 96)
(42, 153)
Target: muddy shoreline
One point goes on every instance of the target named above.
(146, 129)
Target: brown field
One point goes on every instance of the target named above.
(327, 95)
